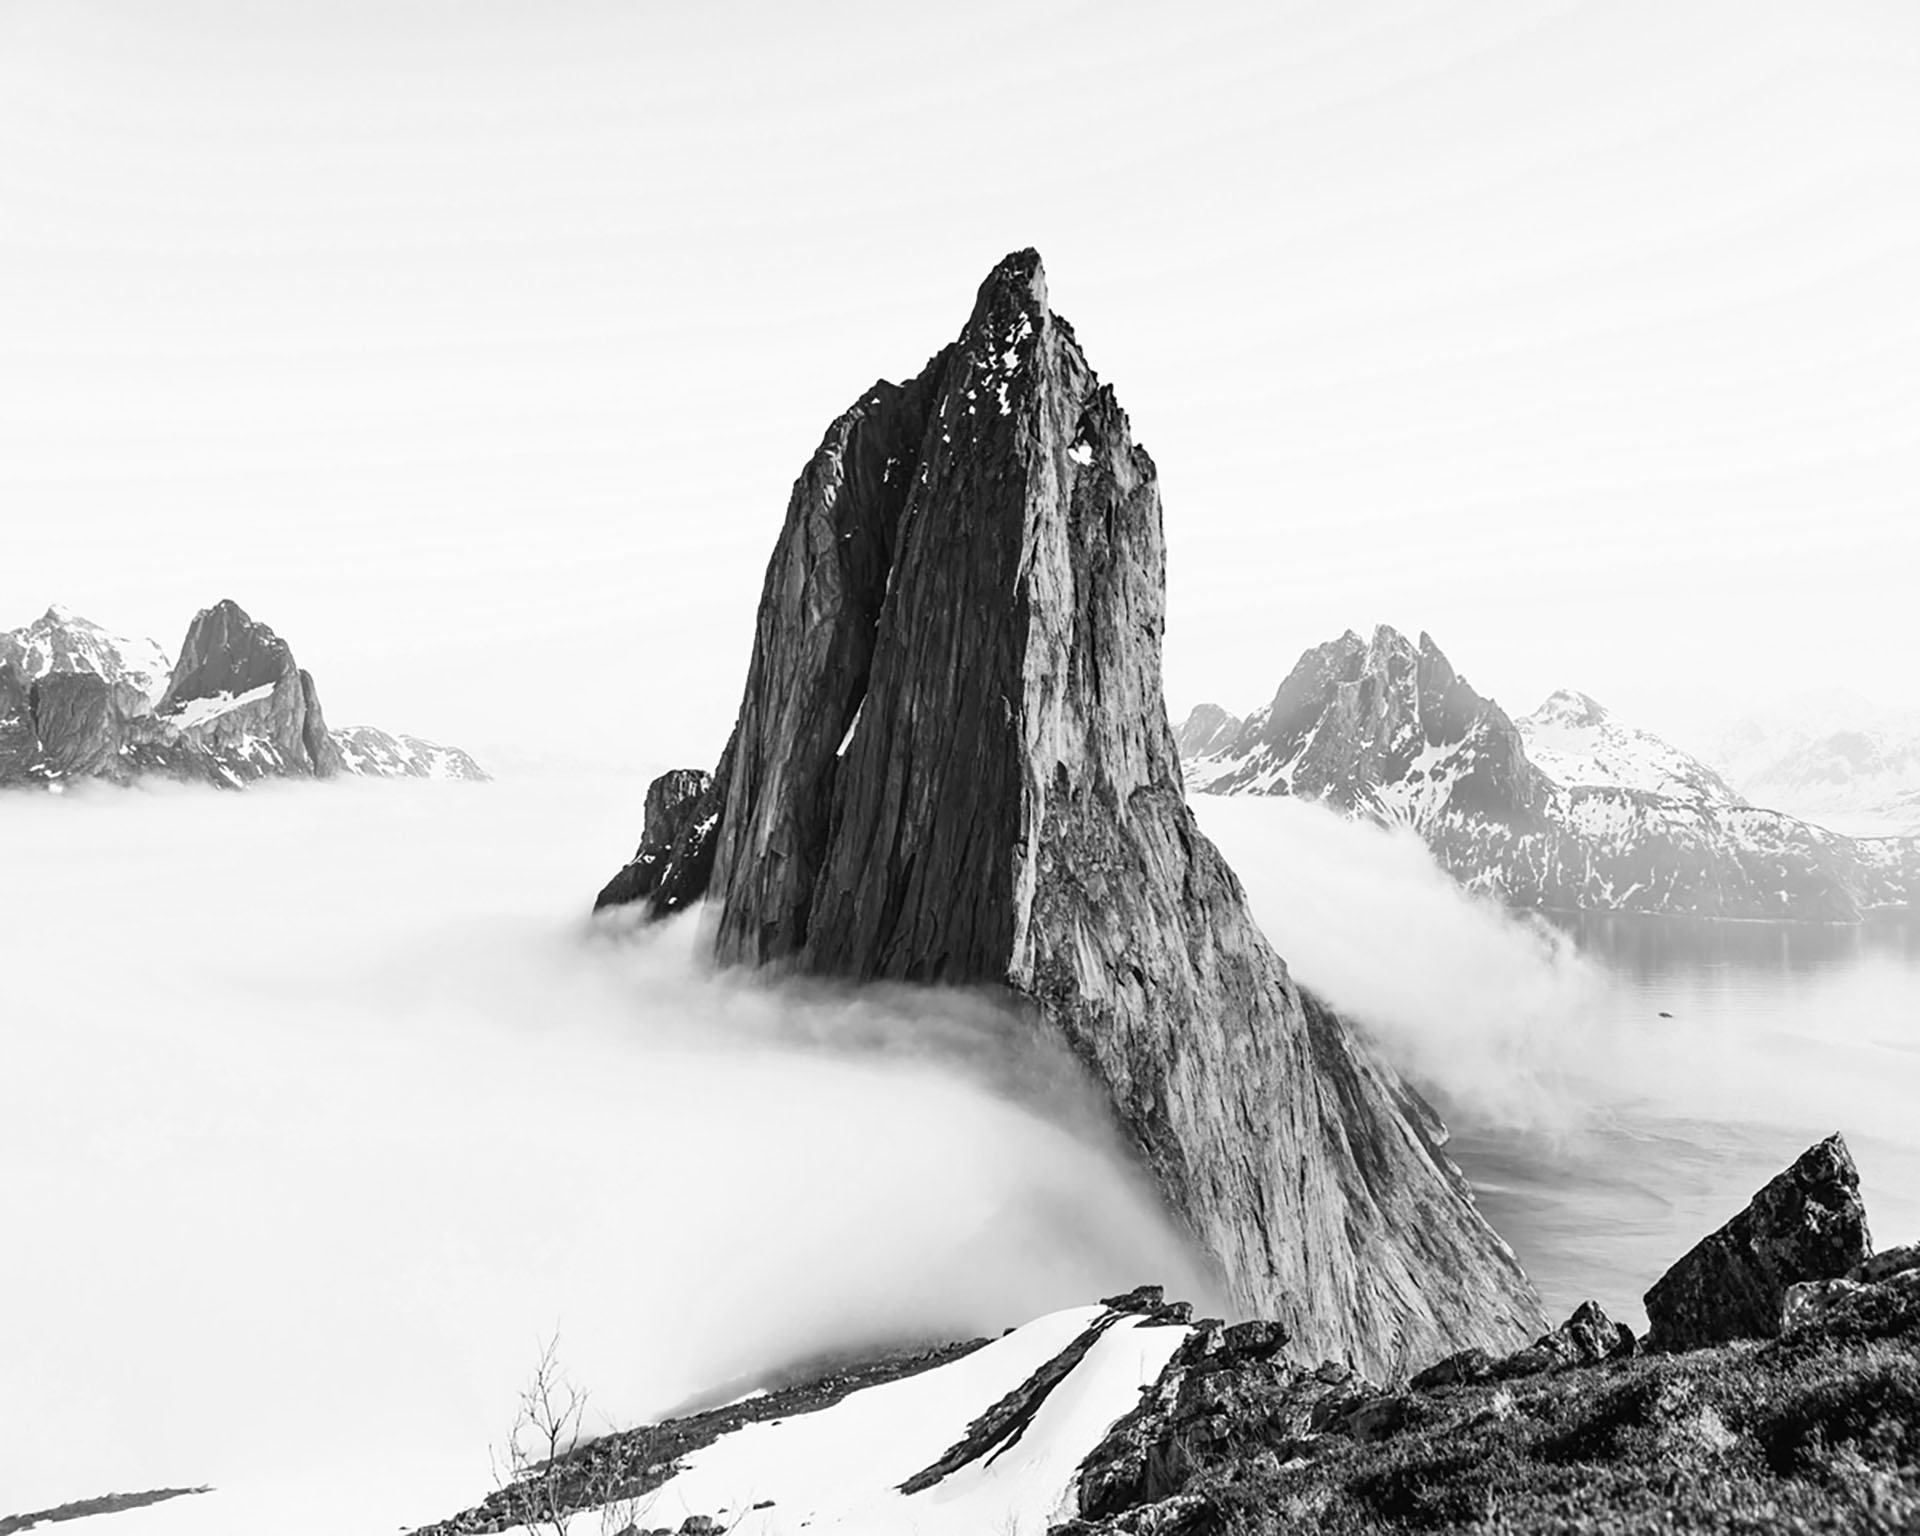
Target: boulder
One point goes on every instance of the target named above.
(1887, 1263)
(1808, 1223)
(1586, 1338)
(1462, 1368)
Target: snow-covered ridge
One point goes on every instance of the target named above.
(1575, 741)
(366, 749)
(61, 641)
(1568, 808)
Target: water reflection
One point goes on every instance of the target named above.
(1648, 948)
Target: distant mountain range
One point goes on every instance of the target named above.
(1832, 757)
(77, 702)
(1566, 809)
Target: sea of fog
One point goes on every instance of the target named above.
(324, 1107)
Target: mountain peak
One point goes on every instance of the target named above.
(1018, 277)
(1568, 706)
(952, 764)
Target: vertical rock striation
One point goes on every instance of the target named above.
(953, 765)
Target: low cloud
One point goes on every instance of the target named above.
(326, 1104)
(1488, 1008)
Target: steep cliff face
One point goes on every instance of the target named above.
(1569, 809)
(237, 693)
(953, 764)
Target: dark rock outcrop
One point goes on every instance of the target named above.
(674, 861)
(1385, 728)
(1586, 1338)
(953, 764)
(1817, 1430)
(75, 722)
(1461, 1368)
(1808, 1223)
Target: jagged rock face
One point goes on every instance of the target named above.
(1383, 725)
(237, 692)
(1808, 1223)
(1386, 729)
(76, 702)
(19, 743)
(1206, 728)
(75, 718)
(953, 764)
(674, 862)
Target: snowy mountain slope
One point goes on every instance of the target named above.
(78, 702)
(1835, 758)
(1206, 727)
(1569, 809)
(61, 641)
(1576, 742)
(368, 749)
(987, 1437)
(842, 1469)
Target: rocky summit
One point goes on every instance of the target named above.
(952, 764)
(1568, 809)
(78, 703)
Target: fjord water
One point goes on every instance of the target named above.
(1717, 1052)
(1617, 1087)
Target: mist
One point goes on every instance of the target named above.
(1610, 1111)
(325, 1105)
(1488, 1008)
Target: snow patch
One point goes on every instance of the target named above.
(840, 1469)
(195, 712)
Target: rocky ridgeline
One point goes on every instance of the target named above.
(1792, 1405)
(78, 703)
(952, 764)
(1568, 809)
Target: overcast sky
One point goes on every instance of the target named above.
(475, 346)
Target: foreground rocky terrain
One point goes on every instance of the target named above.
(952, 764)
(1779, 1390)
(79, 703)
(1567, 809)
